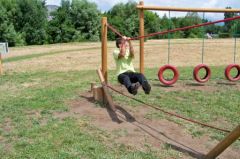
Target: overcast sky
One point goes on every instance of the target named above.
(105, 5)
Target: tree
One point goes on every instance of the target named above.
(31, 21)
(7, 30)
(190, 19)
(60, 28)
(124, 17)
(78, 20)
(235, 29)
(228, 25)
(85, 18)
(152, 23)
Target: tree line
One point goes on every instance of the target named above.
(27, 22)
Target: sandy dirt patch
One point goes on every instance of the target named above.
(129, 126)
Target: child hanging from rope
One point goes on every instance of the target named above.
(125, 71)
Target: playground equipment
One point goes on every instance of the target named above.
(168, 66)
(202, 65)
(234, 65)
(141, 8)
(103, 74)
(3, 50)
(216, 151)
(141, 37)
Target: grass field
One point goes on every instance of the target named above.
(43, 84)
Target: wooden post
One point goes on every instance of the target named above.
(141, 32)
(105, 90)
(93, 84)
(1, 65)
(98, 94)
(227, 141)
(104, 48)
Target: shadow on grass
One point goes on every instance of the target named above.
(151, 131)
(122, 115)
(195, 84)
(161, 85)
(227, 83)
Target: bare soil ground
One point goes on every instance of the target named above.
(134, 130)
(74, 56)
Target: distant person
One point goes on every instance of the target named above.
(209, 36)
(125, 71)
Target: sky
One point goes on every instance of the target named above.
(105, 5)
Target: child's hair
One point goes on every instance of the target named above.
(118, 42)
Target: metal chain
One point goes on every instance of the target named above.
(203, 38)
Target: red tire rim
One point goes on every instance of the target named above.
(167, 81)
(196, 73)
(228, 72)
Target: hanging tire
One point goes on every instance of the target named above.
(228, 72)
(196, 73)
(166, 81)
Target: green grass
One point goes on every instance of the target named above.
(25, 134)
(216, 102)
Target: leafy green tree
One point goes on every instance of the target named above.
(78, 20)
(228, 25)
(190, 19)
(152, 23)
(85, 18)
(124, 17)
(60, 28)
(235, 28)
(7, 30)
(31, 20)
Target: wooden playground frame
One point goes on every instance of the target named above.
(231, 137)
(141, 9)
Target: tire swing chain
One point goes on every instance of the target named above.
(234, 65)
(203, 38)
(202, 65)
(168, 66)
(235, 44)
(169, 35)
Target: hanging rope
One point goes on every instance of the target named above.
(203, 38)
(186, 28)
(114, 30)
(174, 30)
(235, 43)
(169, 35)
(168, 113)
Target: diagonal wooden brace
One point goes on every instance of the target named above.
(108, 97)
(225, 143)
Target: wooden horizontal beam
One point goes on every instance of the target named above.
(216, 10)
